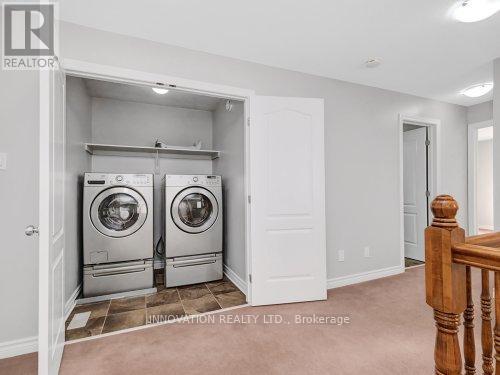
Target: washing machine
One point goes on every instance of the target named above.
(117, 233)
(193, 226)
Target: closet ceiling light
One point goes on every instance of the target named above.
(475, 10)
(160, 91)
(477, 90)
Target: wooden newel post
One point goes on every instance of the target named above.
(445, 283)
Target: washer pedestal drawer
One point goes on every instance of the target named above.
(193, 269)
(120, 277)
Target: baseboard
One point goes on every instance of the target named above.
(30, 344)
(487, 227)
(71, 302)
(235, 279)
(337, 282)
(18, 347)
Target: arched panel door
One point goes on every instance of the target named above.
(288, 256)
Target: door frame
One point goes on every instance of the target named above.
(472, 172)
(83, 69)
(433, 163)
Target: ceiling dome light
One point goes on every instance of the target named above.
(159, 91)
(475, 10)
(477, 90)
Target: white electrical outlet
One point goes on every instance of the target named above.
(3, 161)
(367, 252)
(341, 256)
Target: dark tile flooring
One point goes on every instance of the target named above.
(166, 304)
(412, 262)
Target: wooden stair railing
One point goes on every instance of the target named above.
(449, 257)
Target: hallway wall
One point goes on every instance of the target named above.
(361, 138)
(361, 145)
(480, 112)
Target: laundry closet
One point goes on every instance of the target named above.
(128, 156)
(164, 140)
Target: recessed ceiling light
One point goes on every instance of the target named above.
(475, 10)
(159, 91)
(477, 90)
(372, 63)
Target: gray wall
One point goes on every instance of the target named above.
(480, 112)
(485, 184)
(121, 122)
(361, 137)
(19, 113)
(78, 132)
(229, 139)
(139, 124)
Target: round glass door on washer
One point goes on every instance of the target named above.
(193, 228)
(118, 212)
(195, 210)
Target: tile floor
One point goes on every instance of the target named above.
(165, 304)
(412, 262)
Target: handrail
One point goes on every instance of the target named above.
(449, 257)
(476, 256)
(489, 240)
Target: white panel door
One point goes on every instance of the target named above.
(288, 256)
(415, 192)
(51, 222)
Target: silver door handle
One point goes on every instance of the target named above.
(31, 230)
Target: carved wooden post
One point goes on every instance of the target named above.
(445, 283)
(497, 322)
(469, 344)
(486, 333)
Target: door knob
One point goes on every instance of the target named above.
(31, 230)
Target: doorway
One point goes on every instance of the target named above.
(149, 258)
(419, 171)
(416, 191)
(480, 172)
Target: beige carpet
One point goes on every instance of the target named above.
(391, 331)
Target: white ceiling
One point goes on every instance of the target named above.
(423, 50)
(144, 94)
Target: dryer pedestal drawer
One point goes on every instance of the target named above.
(117, 277)
(193, 269)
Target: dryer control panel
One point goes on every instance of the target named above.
(193, 180)
(111, 179)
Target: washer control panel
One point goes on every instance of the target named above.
(193, 180)
(107, 179)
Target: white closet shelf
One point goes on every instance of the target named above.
(124, 150)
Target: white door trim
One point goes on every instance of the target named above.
(472, 172)
(43, 215)
(434, 163)
(116, 74)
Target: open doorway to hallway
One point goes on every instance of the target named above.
(415, 191)
(480, 184)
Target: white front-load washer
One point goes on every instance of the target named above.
(117, 233)
(193, 229)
